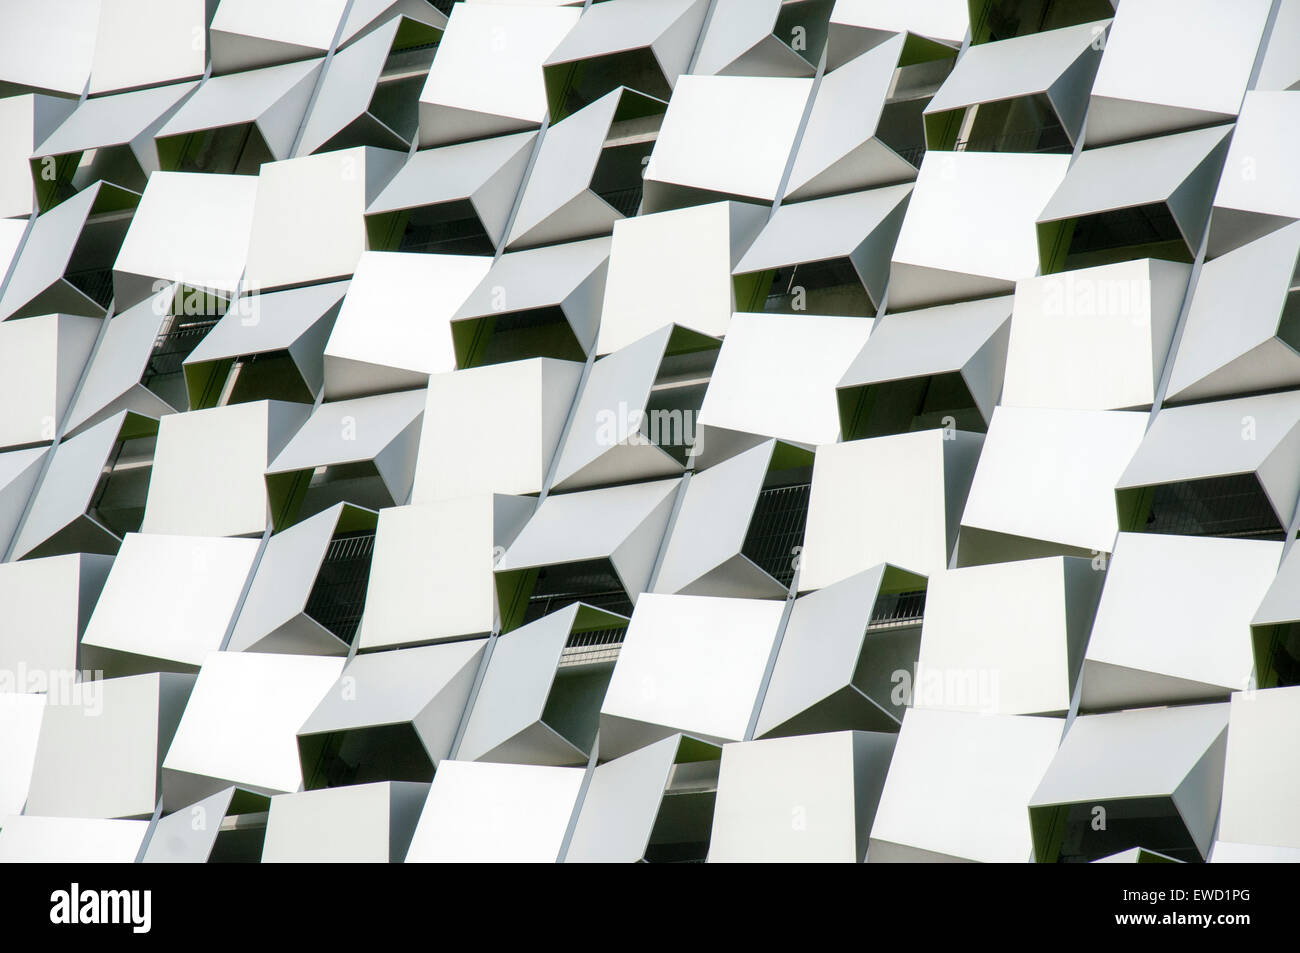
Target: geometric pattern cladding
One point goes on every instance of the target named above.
(649, 430)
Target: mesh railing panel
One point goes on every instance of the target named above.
(596, 646)
(338, 597)
(1230, 506)
(898, 608)
(776, 529)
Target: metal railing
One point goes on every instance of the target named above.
(625, 201)
(1129, 227)
(894, 609)
(220, 150)
(95, 283)
(593, 582)
(813, 276)
(124, 516)
(612, 600)
(912, 154)
(594, 647)
(106, 474)
(407, 65)
(459, 237)
(338, 596)
(1041, 139)
(776, 530)
(1233, 507)
(174, 345)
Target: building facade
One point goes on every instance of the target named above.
(665, 430)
